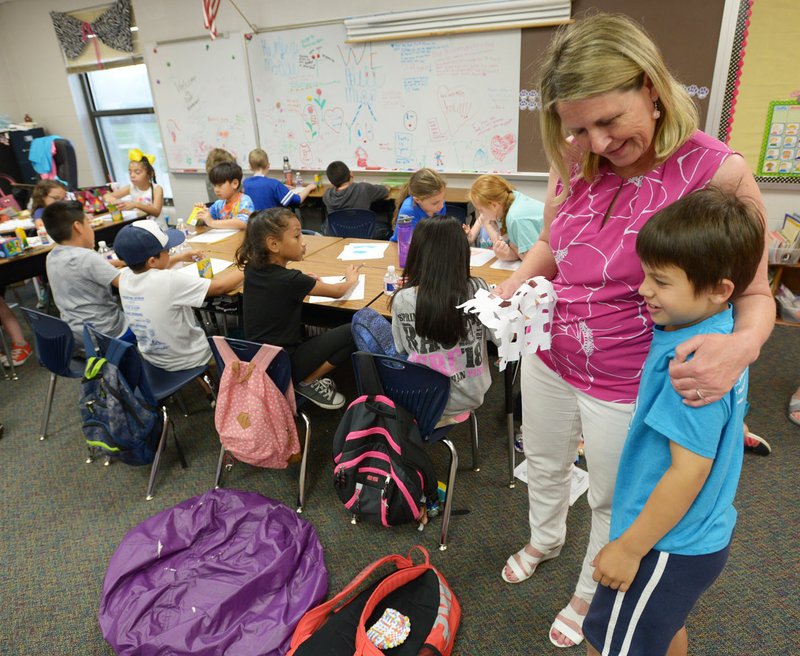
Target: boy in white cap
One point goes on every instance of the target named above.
(158, 301)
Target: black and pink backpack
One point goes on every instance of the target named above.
(381, 470)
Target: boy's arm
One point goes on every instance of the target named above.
(227, 224)
(617, 563)
(305, 191)
(227, 281)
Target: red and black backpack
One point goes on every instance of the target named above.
(339, 627)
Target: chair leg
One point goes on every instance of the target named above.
(181, 404)
(48, 404)
(301, 497)
(473, 431)
(218, 477)
(161, 443)
(510, 430)
(178, 448)
(448, 502)
(508, 385)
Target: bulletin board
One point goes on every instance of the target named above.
(201, 91)
(450, 102)
(764, 76)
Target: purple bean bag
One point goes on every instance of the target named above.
(227, 572)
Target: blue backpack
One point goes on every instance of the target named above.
(117, 421)
(373, 333)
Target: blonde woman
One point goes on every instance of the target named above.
(634, 129)
(512, 221)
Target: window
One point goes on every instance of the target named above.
(121, 109)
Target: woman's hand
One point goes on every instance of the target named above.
(506, 289)
(716, 363)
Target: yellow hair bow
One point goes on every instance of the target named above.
(136, 155)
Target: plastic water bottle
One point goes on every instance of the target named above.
(104, 250)
(389, 281)
(44, 238)
(298, 179)
(405, 228)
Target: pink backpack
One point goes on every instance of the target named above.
(254, 420)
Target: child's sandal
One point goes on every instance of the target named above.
(523, 564)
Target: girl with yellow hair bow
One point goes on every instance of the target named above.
(142, 193)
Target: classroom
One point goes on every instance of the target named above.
(320, 82)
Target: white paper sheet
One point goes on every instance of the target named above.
(363, 251)
(480, 256)
(579, 482)
(13, 224)
(504, 265)
(356, 293)
(217, 266)
(212, 236)
(129, 214)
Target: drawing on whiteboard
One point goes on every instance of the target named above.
(361, 157)
(502, 146)
(173, 128)
(334, 119)
(410, 120)
(438, 159)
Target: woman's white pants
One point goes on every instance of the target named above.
(554, 416)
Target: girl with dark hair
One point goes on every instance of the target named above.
(273, 300)
(425, 321)
(145, 194)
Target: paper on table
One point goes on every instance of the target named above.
(217, 266)
(212, 236)
(363, 251)
(579, 481)
(13, 224)
(504, 265)
(356, 293)
(480, 256)
(129, 214)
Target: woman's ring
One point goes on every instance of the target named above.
(700, 395)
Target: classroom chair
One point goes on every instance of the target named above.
(424, 393)
(359, 224)
(55, 347)
(155, 385)
(280, 371)
(457, 211)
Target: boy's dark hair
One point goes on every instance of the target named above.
(438, 266)
(225, 172)
(711, 234)
(338, 173)
(266, 223)
(58, 218)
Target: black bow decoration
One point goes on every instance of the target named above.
(113, 28)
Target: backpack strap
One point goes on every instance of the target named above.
(226, 353)
(93, 367)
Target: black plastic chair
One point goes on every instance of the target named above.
(155, 385)
(55, 345)
(280, 371)
(457, 212)
(358, 224)
(424, 393)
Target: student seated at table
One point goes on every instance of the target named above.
(273, 300)
(427, 328)
(45, 193)
(266, 192)
(80, 277)
(215, 156)
(345, 194)
(145, 195)
(508, 222)
(233, 208)
(423, 196)
(158, 300)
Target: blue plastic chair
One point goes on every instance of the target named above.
(54, 345)
(155, 385)
(358, 224)
(457, 212)
(280, 371)
(424, 393)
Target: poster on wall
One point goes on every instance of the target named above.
(780, 150)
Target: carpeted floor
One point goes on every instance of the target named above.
(62, 519)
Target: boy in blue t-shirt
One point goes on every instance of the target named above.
(268, 192)
(672, 516)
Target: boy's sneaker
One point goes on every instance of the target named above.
(756, 444)
(321, 392)
(19, 354)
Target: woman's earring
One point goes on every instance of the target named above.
(656, 111)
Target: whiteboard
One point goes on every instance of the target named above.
(449, 103)
(201, 92)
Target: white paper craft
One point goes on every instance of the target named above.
(505, 265)
(579, 480)
(480, 256)
(519, 325)
(217, 266)
(363, 251)
(13, 224)
(212, 236)
(356, 293)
